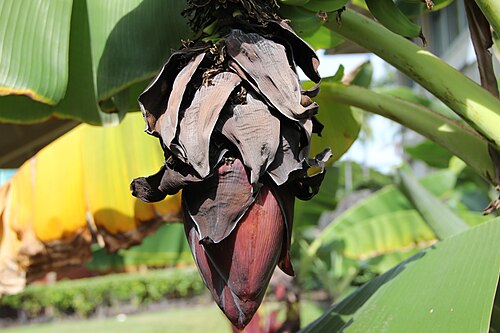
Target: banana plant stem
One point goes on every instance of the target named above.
(453, 135)
(465, 97)
(491, 9)
(435, 213)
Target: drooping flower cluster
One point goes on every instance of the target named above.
(235, 126)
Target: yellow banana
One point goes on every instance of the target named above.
(302, 21)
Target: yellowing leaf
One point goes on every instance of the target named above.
(73, 188)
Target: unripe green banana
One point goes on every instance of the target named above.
(411, 8)
(294, 2)
(388, 14)
(440, 4)
(430, 4)
(302, 21)
(325, 5)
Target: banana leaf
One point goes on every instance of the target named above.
(386, 222)
(437, 290)
(82, 59)
(73, 192)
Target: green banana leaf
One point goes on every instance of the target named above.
(398, 231)
(342, 122)
(165, 247)
(76, 59)
(342, 126)
(437, 290)
(430, 153)
(385, 222)
(467, 99)
(307, 213)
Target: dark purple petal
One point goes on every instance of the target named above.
(218, 203)
(238, 269)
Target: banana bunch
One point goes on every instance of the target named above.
(308, 16)
(389, 15)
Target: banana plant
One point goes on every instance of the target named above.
(234, 122)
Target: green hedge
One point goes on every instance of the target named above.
(84, 296)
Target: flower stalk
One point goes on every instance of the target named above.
(466, 98)
(456, 136)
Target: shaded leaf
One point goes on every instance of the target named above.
(120, 31)
(430, 153)
(342, 125)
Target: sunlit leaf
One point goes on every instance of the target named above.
(438, 216)
(382, 223)
(84, 58)
(437, 289)
(41, 53)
